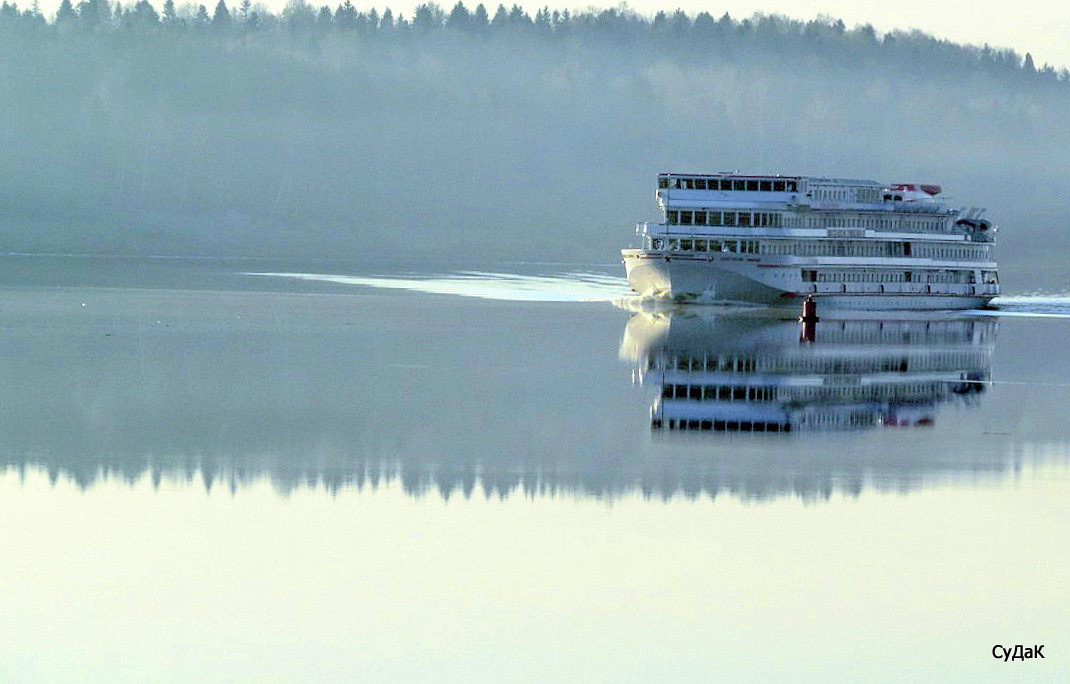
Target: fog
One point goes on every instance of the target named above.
(440, 137)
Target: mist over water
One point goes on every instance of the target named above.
(517, 143)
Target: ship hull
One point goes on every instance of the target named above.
(752, 281)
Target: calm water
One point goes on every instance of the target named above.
(244, 470)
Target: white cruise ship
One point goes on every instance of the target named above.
(848, 243)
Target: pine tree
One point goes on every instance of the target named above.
(144, 16)
(1028, 67)
(480, 21)
(221, 16)
(324, 19)
(501, 17)
(65, 15)
(345, 17)
(93, 13)
(459, 17)
(169, 16)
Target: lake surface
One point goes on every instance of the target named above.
(258, 471)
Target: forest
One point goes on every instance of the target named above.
(479, 133)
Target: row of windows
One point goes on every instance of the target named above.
(868, 194)
(905, 223)
(728, 184)
(719, 392)
(973, 252)
(704, 246)
(824, 420)
(756, 219)
(731, 364)
(918, 362)
(884, 276)
(721, 425)
(815, 393)
(698, 217)
(859, 248)
(896, 392)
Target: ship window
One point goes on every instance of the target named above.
(685, 218)
(726, 184)
(674, 216)
(715, 218)
(700, 218)
(685, 245)
(743, 219)
(715, 245)
(663, 182)
(738, 185)
(766, 186)
(700, 183)
(700, 245)
(674, 245)
(752, 185)
(689, 183)
(778, 186)
(791, 186)
(729, 218)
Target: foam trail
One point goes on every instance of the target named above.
(512, 287)
(1035, 305)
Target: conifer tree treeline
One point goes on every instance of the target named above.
(821, 36)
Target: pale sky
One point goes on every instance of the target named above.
(1027, 26)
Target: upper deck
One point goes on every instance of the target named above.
(803, 192)
(809, 202)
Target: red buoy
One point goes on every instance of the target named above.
(809, 320)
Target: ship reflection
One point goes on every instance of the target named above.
(758, 374)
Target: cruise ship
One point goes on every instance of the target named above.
(761, 374)
(847, 243)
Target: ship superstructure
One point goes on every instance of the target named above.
(849, 243)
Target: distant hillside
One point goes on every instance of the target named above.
(342, 132)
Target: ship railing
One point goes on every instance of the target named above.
(963, 289)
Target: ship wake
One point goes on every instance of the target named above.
(513, 287)
(1033, 305)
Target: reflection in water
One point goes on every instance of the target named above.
(758, 374)
(338, 391)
